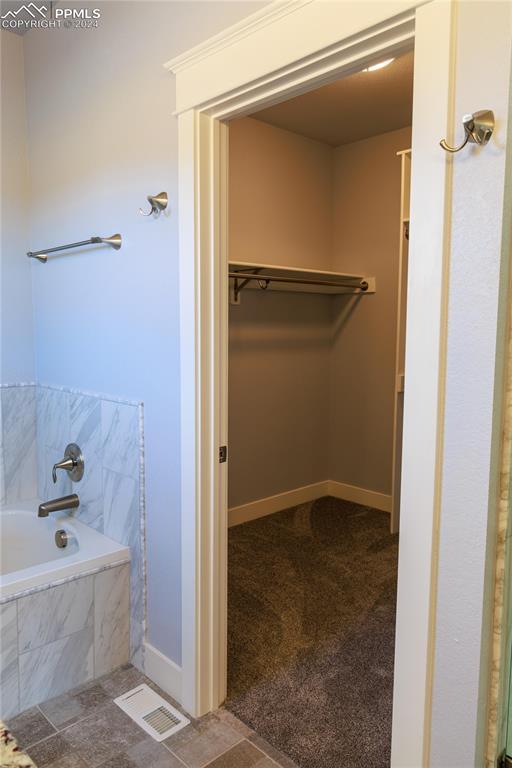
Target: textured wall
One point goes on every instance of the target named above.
(473, 407)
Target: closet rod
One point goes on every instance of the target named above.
(262, 278)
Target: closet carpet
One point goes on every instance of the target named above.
(311, 621)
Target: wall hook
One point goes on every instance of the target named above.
(158, 204)
(478, 129)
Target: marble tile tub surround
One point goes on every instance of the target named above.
(54, 640)
(18, 446)
(85, 729)
(38, 421)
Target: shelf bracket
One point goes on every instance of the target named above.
(238, 286)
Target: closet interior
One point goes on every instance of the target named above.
(318, 236)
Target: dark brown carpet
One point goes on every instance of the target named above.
(311, 628)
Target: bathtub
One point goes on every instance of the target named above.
(30, 559)
(65, 613)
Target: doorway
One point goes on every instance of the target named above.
(224, 79)
(318, 208)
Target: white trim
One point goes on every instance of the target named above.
(309, 42)
(364, 31)
(425, 361)
(270, 504)
(258, 20)
(163, 671)
(312, 44)
(357, 495)
(253, 510)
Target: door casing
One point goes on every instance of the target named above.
(307, 44)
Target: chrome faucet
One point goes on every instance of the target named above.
(58, 505)
(73, 463)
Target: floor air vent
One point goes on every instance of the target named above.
(151, 712)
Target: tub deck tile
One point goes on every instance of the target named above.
(111, 619)
(55, 613)
(9, 676)
(55, 668)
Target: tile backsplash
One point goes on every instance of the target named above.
(37, 422)
(18, 447)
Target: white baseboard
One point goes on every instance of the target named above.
(163, 671)
(267, 506)
(358, 495)
(271, 504)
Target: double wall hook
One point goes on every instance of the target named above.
(478, 129)
(158, 204)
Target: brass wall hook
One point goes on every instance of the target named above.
(158, 204)
(478, 129)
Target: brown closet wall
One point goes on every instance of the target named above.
(310, 381)
(281, 187)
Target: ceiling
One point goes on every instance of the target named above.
(358, 106)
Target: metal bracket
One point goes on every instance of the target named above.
(238, 285)
(158, 204)
(478, 129)
(240, 279)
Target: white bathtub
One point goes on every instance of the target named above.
(30, 557)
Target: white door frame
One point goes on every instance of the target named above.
(288, 48)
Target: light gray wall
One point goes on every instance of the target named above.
(102, 136)
(17, 344)
(477, 314)
(366, 223)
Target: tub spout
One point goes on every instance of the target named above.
(58, 505)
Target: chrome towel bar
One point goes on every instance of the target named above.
(114, 241)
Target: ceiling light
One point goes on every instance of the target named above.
(380, 65)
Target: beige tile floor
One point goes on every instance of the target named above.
(85, 729)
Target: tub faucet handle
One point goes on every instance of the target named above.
(73, 463)
(67, 464)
